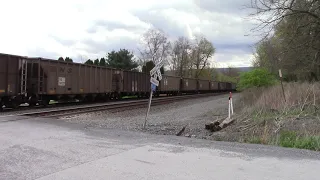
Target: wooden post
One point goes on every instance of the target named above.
(284, 96)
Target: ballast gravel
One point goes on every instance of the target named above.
(166, 119)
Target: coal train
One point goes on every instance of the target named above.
(38, 80)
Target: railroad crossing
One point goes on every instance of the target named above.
(154, 73)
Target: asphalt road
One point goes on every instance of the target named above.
(51, 149)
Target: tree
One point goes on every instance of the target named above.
(206, 73)
(256, 78)
(89, 61)
(102, 62)
(292, 38)
(96, 62)
(155, 46)
(202, 50)
(150, 65)
(68, 59)
(180, 61)
(60, 59)
(123, 59)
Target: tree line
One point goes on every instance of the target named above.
(184, 57)
(291, 38)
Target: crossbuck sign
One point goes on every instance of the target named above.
(155, 74)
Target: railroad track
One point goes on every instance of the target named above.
(55, 113)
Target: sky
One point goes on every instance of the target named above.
(83, 29)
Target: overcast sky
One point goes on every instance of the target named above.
(84, 29)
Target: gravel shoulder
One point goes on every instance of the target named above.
(166, 119)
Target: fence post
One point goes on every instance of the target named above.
(280, 75)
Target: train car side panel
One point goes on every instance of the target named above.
(72, 78)
(3, 75)
(214, 86)
(13, 76)
(203, 85)
(222, 86)
(98, 82)
(127, 82)
(189, 84)
(145, 83)
(135, 82)
(234, 86)
(75, 78)
(169, 83)
(228, 86)
(87, 79)
(9, 75)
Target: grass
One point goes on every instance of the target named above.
(290, 139)
(293, 121)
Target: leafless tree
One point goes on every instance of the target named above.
(202, 51)
(155, 46)
(180, 56)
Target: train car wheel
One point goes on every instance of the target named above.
(45, 102)
(33, 101)
(32, 104)
(15, 105)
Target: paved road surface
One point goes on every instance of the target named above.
(46, 149)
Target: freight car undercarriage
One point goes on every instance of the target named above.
(44, 100)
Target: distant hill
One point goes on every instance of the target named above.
(226, 71)
(239, 69)
(236, 69)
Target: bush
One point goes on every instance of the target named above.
(256, 78)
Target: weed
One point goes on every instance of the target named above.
(268, 113)
(290, 139)
(254, 140)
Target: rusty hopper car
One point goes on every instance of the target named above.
(222, 86)
(169, 85)
(214, 86)
(12, 86)
(229, 86)
(52, 79)
(189, 85)
(234, 86)
(135, 83)
(203, 85)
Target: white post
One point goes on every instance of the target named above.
(231, 103)
(229, 108)
(145, 121)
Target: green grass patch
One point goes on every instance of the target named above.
(290, 139)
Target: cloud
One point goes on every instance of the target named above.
(91, 28)
(235, 7)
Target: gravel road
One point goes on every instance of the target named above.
(166, 119)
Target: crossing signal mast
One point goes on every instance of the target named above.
(155, 74)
